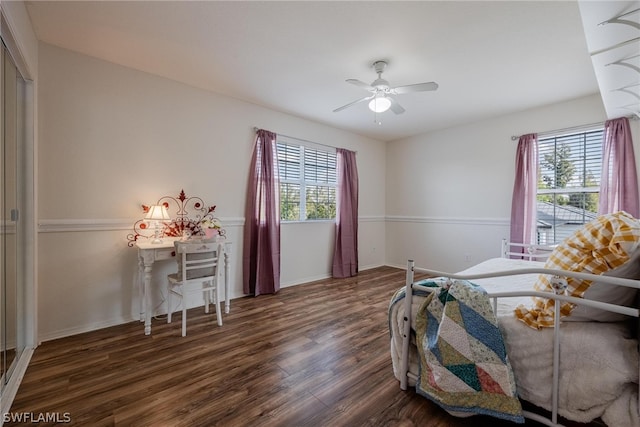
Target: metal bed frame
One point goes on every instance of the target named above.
(532, 252)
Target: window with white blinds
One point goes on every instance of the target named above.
(568, 183)
(307, 182)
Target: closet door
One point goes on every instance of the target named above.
(12, 294)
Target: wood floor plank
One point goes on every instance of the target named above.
(311, 355)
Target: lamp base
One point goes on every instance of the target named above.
(156, 235)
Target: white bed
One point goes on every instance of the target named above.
(598, 370)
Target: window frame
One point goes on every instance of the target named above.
(302, 180)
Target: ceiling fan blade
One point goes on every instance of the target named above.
(363, 85)
(395, 107)
(418, 87)
(366, 98)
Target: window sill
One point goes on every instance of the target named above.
(309, 221)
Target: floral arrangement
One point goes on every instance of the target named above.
(209, 223)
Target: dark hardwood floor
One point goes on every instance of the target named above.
(311, 355)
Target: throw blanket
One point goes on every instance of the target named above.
(463, 362)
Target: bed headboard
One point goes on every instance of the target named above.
(529, 252)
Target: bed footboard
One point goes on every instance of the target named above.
(406, 326)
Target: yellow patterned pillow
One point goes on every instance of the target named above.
(601, 245)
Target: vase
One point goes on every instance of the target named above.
(210, 233)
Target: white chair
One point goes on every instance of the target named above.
(197, 272)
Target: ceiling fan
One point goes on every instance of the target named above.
(382, 96)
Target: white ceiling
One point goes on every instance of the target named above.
(489, 57)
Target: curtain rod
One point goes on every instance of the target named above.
(573, 128)
(256, 129)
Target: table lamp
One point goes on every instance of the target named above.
(157, 214)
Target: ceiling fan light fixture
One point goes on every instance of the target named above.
(382, 95)
(379, 104)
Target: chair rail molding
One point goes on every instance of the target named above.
(68, 225)
(502, 222)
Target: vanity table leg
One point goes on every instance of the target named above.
(140, 285)
(227, 300)
(147, 298)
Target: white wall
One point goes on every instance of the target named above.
(113, 138)
(449, 192)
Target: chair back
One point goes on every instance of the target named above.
(197, 259)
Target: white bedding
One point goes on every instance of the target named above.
(523, 282)
(599, 361)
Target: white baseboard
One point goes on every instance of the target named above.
(306, 280)
(401, 267)
(325, 276)
(54, 335)
(11, 389)
(370, 266)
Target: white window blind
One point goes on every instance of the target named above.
(307, 182)
(568, 183)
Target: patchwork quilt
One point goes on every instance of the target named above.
(464, 366)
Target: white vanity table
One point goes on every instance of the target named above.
(148, 254)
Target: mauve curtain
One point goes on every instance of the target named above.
(345, 254)
(523, 203)
(619, 182)
(261, 251)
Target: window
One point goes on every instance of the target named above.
(307, 182)
(568, 184)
